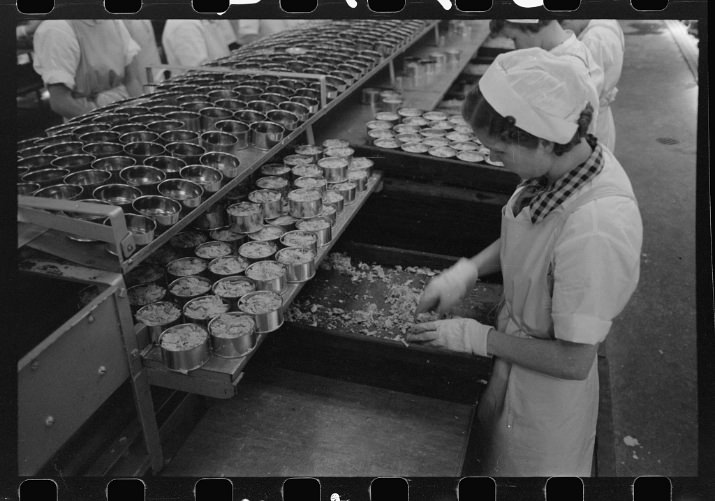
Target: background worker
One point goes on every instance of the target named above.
(549, 35)
(605, 40)
(86, 63)
(569, 254)
(193, 42)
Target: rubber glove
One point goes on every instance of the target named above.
(446, 290)
(465, 335)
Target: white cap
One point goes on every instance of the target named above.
(543, 92)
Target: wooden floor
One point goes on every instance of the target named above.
(285, 423)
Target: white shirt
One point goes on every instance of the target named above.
(605, 40)
(597, 258)
(57, 52)
(193, 42)
(142, 32)
(261, 28)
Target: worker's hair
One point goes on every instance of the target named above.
(480, 115)
(496, 25)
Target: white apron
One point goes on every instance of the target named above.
(102, 62)
(606, 128)
(532, 424)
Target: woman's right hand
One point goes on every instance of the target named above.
(445, 291)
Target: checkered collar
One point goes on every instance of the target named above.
(544, 198)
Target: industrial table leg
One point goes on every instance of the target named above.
(140, 383)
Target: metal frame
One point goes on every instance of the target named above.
(96, 324)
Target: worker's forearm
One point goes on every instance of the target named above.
(488, 261)
(70, 107)
(551, 357)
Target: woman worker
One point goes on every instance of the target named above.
(193, 42)
(86, 63)
(569, 254)
(605, 40)
(549, 35)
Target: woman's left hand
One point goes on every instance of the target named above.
(465, 335)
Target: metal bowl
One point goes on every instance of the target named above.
(299, 110)
(196, 106)
(143, 136)
(161, 126)
(268, 276)
(245, 217)
(45, 177)
(146, 118)
(89, 180)
(179, 135)
(73, 162)
(299, 263)
(60, 191)
(285, 118)
(120, 195)
(307, 92)
(265, 135)
(202, 309)
(311, 103)
(102, 136)
(158, 317)
(165, 211)
(320, 226)
(141, 227)
(182, 190)
(231, 288)
(191, 119)
(262, 106)
(300, 238)
(217, 141)
(143, 177)
(122, 129)
(249, 116)
(266, 308)
(36, 162)
(188, 152)
(186, 358)
(27, 189)
(233, 334)
(211, 115)
(247, 92)
(209, 178)
(221, 94)
(140, 151)
(271, 202)
(227, 164)
(30, 151)
(113, 165)
(100, 150)
(237, 129)
(335, 169)
(231, 104)
(170, 166)
(63, 149)
(57, 139)
(304, 203)
(187, 267)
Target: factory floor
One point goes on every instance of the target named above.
(652, 346)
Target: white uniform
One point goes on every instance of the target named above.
(193, 42)
(565, 277)
(87, 56)
(250, 29)
(142, 32)
(573, 48)
(605, 40)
